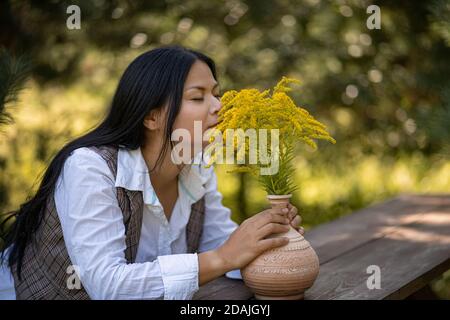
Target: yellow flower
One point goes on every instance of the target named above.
(250, 108)
(253, 109)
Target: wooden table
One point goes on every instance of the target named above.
(407, 237)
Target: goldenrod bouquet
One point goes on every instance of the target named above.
(252, 111)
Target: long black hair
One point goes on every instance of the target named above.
(153, 79)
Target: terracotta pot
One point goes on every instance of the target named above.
(286, 272)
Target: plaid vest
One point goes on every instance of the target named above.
(46, 270)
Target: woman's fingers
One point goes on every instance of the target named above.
(301, 230)
(292, 211)
(271, 228)
(272, 243)
(296, 222)
(295, 219)
(271, 216)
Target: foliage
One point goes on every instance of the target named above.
(13, 74)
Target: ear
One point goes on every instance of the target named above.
(153, 121)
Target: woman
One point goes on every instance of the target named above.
(115, 218)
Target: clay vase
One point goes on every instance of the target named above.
(286, 272)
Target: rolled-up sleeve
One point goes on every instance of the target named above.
(94, 233)
(180, 275)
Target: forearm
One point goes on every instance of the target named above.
(211, 265)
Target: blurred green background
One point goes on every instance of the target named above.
(384, 93)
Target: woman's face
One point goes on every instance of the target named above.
(200, 103)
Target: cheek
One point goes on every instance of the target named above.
(188, 114)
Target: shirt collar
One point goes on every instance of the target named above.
(132, 174)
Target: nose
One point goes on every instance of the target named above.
(216, 105)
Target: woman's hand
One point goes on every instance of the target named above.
(295, 219)
(249, 240)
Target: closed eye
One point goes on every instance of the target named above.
(218, 96)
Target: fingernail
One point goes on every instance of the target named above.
(285, 210)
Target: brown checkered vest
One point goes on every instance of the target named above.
(46, 265)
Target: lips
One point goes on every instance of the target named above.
(214, 125)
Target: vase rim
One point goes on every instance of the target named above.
(279, 196)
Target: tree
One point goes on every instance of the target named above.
(380, 91)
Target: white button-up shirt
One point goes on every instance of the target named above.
(94, 233)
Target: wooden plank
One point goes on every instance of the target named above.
(333, 239)
(351, 241)
(224, 288)
(409, 256)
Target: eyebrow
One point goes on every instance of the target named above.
(202, 88)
